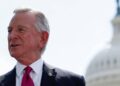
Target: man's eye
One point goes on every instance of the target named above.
(9, 30)
(21, 30)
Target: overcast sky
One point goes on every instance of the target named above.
(79, 30)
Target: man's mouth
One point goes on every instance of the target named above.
(14, 45)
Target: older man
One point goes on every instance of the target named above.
(28, 33)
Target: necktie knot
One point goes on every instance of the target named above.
(28, 70)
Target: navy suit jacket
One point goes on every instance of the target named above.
(51, 77)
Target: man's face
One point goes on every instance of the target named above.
(23, 37)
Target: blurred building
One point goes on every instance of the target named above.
(104, 69)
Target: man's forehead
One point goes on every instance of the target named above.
(25, 14)
(25, 17)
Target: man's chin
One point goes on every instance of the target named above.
(14, 55)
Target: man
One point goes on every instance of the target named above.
(28, 33)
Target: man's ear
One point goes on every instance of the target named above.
(44, 38)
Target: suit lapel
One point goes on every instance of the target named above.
(48, 76)
(9, 79)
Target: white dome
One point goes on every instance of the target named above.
(104, 69)
(107, 59)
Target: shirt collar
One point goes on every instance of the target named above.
(36, 66)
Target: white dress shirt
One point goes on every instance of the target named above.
(36, 73)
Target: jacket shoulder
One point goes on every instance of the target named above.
(8, 78)
(70, 78)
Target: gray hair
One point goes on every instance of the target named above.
(41, 21)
